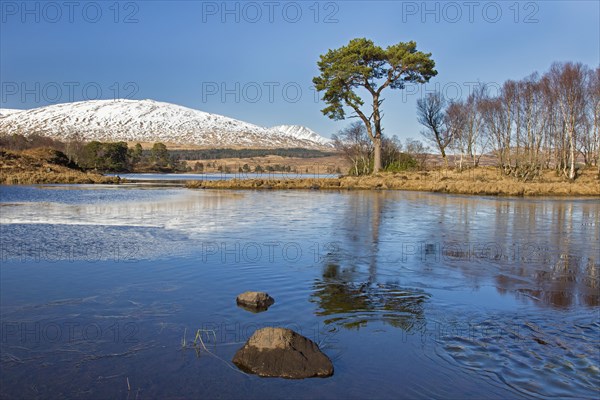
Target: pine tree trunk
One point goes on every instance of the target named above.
(377, 155)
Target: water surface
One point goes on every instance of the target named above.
(412, 295)
(220, 176)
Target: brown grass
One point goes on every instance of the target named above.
(37, 166)
(478, 181)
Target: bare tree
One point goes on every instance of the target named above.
(530, 126)
(494, 126)
(391, 149)
(465, 119)
(417, 150)
(509, 104)
(568, 87)
(538, 122)
(553, 127)
(356, 146)
(456, 122)
(594, 113)
(431, 113)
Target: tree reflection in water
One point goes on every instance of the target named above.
(543, 252)
(354, 304)
(565, 271)
(351, 298)
(571, 279)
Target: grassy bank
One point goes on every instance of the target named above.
(479, 181)
(36, 166)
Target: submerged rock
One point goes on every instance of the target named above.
(281, 352)
(255, 301)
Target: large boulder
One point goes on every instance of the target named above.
(255, 301)
(281, 352)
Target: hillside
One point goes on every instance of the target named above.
(152, 121)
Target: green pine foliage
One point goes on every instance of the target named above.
(363, 66)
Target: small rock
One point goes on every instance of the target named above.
(255, 301)
(281, 352)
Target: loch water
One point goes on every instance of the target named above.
(412, 295)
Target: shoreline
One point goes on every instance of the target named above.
(40, 167)
(58, 178)
(44, 166)
(481, 181)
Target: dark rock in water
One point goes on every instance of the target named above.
(255, 301)
(280, 352)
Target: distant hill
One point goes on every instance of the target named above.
(153, 121)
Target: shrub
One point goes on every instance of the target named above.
(403, 162)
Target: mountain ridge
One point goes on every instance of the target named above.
(152, 121)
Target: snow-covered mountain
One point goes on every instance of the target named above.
(151, 121)
(301, 132)
(8, 111)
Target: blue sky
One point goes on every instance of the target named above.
(255, 61)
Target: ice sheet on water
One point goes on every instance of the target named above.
(90, 223)
(58, 218)
(57, 243)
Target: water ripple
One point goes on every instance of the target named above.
(532, 355)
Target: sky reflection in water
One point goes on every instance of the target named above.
(489, 296)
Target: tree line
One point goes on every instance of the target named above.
(548, 121)
(216, 154)
(120, 157)
(102, 156)
(542, 121)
